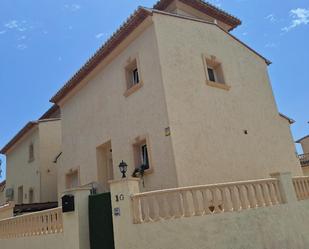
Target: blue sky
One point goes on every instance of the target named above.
(43, 43)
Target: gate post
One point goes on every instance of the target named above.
(76, 223)
(121, 191)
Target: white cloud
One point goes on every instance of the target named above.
(16, 25)
(271, 45)
(72, 7)
(22, 46)
(2, 32)
(272, 18)
(11, 24)
(23, 37)
(300, 17)
(99, 35)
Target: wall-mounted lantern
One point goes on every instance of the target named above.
(123, 168)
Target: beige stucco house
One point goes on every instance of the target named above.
(190, 107)
(31, 174)
(2, 194)
(173, 90)
(304, 158)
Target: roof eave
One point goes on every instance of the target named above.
(299, 140)
(132, 22)
(18, 136)
(206, 8)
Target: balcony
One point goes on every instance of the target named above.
(304, 159)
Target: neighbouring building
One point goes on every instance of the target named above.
(304, 158)
(175, 92)
(2, 194)
(31, 174)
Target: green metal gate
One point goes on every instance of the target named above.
(101, 222)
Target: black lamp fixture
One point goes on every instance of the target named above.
(123, 168)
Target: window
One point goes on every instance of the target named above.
(142, 156)
(133, 77)
(20, 197)
(211, 74)
(214, 72)
(31, 153)
(31, 196)
(72, 179)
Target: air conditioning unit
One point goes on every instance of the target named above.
(9, 194)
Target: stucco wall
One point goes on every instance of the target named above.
(207, 123)
(306, 170)
(50, 147)
(36, 242)
(21, 172)
(99, 113)
(280, 227)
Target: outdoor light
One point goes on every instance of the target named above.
(123, 168)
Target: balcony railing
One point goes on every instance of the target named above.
(34, 224)
(205, 200)
(304, 159)
(301, 185)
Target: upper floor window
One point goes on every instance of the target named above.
(31, 153)
(211, 74)
(133, 76)
(214, 72)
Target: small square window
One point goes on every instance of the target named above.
(132, 74)
(133, 77)
(214, 73)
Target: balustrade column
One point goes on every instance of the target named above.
(287, 191)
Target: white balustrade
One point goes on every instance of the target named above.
(34, 224)
(301, 185)
(205, 200)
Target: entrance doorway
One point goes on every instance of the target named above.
(105, 166)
